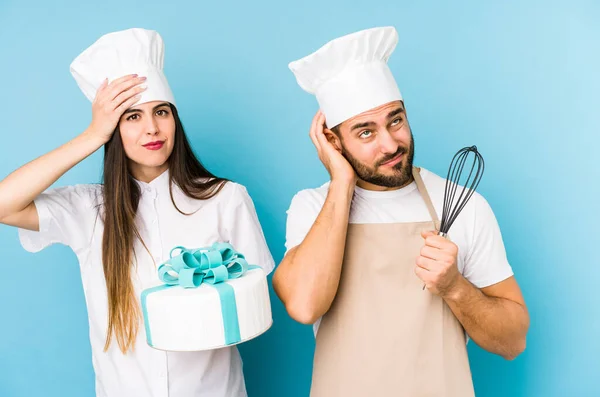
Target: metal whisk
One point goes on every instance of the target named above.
(453, 204)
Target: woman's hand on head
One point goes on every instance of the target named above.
(110, 103)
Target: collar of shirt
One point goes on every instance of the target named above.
(158, 185)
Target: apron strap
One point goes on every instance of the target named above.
(425, 195)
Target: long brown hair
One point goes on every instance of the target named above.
(121, 196)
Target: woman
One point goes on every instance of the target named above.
(155, 195)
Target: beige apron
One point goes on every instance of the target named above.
(384, 335)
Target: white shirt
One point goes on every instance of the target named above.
(481, 254)
(70, 215)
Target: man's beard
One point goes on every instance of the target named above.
(402, 172)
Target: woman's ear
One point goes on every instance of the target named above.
(333, 138)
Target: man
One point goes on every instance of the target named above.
(361, 247)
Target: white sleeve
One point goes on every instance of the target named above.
(64, 218)
(244, 230)
(302, 213)
(486, 262)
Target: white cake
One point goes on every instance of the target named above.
(192, 319)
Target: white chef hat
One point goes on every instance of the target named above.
(132, 51)
(350, 75)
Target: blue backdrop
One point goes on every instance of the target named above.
(519, 79)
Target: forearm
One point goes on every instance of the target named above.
(307, 279)
(22, 186)
(498, 325)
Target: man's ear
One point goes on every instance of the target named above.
(333, 138)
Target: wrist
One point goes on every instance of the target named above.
(93, 138)
(456, 290)
(341, 187)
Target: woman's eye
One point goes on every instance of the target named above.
(133, 117)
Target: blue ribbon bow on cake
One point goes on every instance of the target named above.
(213, 265)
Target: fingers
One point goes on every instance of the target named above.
(439, 257)
(324, 144)
(432, 239)
(321, 138)
(314, 140)
(428, 233)
(108, 93)
(423, 274)
(116, 89)
(128, 103)
(100, 91)
(430, 252)
(125, 96)
(426, 264)
(103, 85)
(313, 130)
(123, 79)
